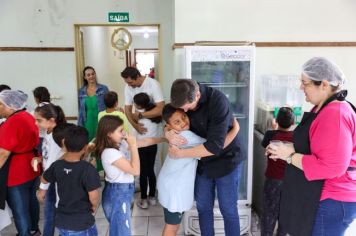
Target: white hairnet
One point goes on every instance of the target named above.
(14, 99)
(319, 68)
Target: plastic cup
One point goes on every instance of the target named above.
(276, 142)
(288, 143)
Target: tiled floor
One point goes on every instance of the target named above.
(144, 222)
(150, 223)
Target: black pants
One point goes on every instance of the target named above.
(147, 161)
(271, 202)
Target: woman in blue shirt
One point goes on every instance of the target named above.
(91, 101)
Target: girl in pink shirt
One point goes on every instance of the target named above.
(320, 180)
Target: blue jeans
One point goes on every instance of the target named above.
(333, 217)
(92, 231)
(49, 211)
(117, 207)
(227, 192)
(24, 205)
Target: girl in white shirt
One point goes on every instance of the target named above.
(47, 117)
(120, 159)
(41, 96)
(143, 102)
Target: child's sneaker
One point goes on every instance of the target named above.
(152, 201)
(143, 204)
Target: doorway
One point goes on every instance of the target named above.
(110, 48)
(146, 61)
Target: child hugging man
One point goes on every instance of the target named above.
(78, 186)
(275, 172)
(175, 182)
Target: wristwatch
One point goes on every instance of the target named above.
(140, 116)
(289, 158)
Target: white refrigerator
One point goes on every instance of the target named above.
(230, 69)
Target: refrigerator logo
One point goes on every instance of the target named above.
(232, 55)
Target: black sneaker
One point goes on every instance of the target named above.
(143, 204)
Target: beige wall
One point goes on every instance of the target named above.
(258, 20)
(272, 21)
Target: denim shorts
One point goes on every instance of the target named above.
(172, 218)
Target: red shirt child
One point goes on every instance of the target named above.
(285, 119)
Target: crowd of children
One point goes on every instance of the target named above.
(70, 185)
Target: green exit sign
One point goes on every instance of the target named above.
(119, 17)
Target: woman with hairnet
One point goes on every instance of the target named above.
(18, 138)
(319, 188)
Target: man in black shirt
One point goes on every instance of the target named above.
(211, 118)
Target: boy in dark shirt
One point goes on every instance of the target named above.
(78, 183)
(275, 172)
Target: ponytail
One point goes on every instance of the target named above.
(49, 110)
(60, 119)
